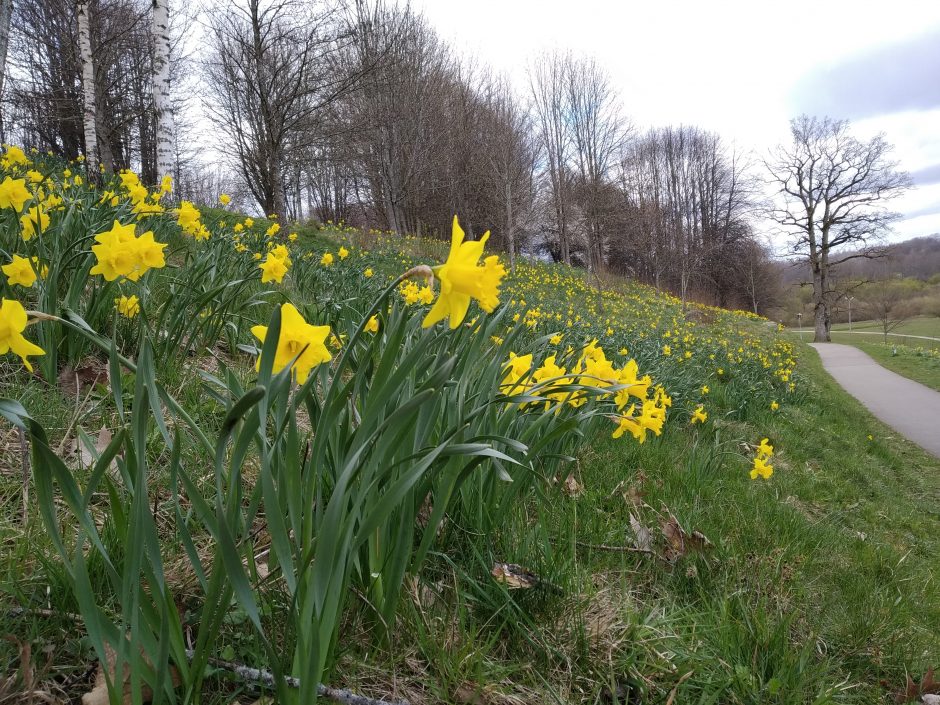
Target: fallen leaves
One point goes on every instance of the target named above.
(642, 539)
(572, 487)
(925, 691)
(98, 695)
(679, 542)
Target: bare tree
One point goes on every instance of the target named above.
(832, 190)
(269, 79)
(510, 154)
(597, 135)
(548, 81)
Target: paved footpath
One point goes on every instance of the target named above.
(908, 407)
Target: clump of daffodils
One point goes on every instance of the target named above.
(551, 382)
(121, 253)
(275, 264)
(762, 467)
(189, 219)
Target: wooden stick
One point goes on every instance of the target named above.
(619, 549)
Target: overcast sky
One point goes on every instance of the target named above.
(742, 69)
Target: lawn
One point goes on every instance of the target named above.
(918, 325)
(273, 462)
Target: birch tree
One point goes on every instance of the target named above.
(161, 88)
(6, 14)
(832, 191)
(89, 92)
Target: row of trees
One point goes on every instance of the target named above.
(356, 110)
(93, 78)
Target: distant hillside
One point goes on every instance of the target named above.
(918, 258)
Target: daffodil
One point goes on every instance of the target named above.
(372, 325)
(188, 217)
(225, 199)
(129, 179)
(343, 253)
(12, 324)
(462, 280)
(699, 415)
(13, 194)
(34, 220)
(14, 156)
(272, 269)
(122, 254)
(327, 259)
(298, 339)
(761, 469)
(127, 306)
(764, 449)
(19, 272)
(368, 273)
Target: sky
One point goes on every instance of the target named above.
(741, 69)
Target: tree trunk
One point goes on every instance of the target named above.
(161, 88)
(6, 12)
(90, 115)
(510, 232)
(821, 318)
(277, 184)
(102, 131)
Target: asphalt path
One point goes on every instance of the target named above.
(908, 407)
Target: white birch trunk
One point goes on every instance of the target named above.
(90, 116)
(6, 12)
(161, 87)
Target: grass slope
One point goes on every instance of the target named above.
(813, 587)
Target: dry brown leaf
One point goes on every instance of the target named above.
(572, 487)
(679, 542)
(642, 538)
(915, 691)
(76, 380)
(98, 695)
(469, 694)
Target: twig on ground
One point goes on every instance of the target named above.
(257, 675)
(618, 549)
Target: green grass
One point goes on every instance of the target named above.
(816, 586)
(918, 325)
(918, 364)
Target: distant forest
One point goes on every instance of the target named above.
(918, 258)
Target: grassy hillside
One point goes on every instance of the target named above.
(548, 500)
